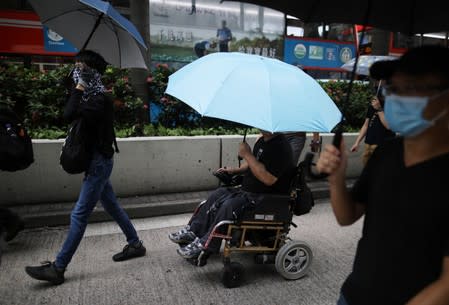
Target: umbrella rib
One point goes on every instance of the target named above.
(97, 23)
(114, 29)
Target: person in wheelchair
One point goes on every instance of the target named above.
(267, 169)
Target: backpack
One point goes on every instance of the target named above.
(304, 200)
(16, 149)
(75, 154)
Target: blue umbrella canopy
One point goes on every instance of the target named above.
(94, 25)
(256, 91)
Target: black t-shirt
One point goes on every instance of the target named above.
(406, 227)
(376, 133)
(276, 155)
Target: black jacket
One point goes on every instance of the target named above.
(97, 112)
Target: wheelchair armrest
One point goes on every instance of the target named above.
(271, 207)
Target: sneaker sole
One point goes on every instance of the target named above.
(54, 282)
(129, 257)
(187, 256)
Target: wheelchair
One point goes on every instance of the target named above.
(263, 231)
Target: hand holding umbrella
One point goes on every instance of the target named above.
(244, 150)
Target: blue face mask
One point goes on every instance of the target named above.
(404, 114)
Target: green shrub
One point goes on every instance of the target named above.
(127, 105)
(39, 98)
(355, 109)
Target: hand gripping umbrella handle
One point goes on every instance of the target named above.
(309, 158)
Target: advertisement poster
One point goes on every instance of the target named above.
(317, 54)
(175, 28)
(53, 42)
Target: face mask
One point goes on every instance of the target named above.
(404, 114)
(76, 74)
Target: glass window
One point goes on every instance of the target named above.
(333, 31)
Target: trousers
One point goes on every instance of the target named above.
(96, 187)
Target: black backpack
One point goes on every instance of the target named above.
(16, 149)
(304, 200)
(75, 154)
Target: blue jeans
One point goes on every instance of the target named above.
(96, 186)
(342, 300)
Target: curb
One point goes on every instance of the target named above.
(57, 214)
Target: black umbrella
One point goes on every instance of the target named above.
(405, 16)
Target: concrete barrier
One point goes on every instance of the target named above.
(144, 166)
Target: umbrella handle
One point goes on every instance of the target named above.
(97, 23)
(244, 140)
(309, 158)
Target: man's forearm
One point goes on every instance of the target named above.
(346, 210)
(259, 171)
(362, 133)
(436, 293)
(238, 170)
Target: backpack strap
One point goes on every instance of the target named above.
(115, 141)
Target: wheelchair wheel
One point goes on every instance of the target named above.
(232, 275)
(293, 260)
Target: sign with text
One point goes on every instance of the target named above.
(53, 42)
(317, 54)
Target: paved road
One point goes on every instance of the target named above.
(162, 277)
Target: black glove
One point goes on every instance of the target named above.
(67, 83)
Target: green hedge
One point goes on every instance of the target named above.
(39, 98)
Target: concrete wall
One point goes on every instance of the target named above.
(147, 165)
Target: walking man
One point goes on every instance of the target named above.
(403, 254)
(88, 101)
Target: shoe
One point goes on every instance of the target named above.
(130, 251)
(46, 272)
(183, 236)
(13, 229)
(192, 250)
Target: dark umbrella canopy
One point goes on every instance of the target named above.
(405, 16)
(95, 25)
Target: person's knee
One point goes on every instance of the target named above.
(80, 214)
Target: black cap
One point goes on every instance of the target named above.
(424, 60)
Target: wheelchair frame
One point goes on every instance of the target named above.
(292, 259)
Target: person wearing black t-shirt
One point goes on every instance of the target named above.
(267, 169)
(403, 254)
(375, 129)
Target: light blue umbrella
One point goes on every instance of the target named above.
(94, 25)
(365, 62)
(256, 91)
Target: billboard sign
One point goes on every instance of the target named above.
(317, 54)
(53, 42)
(175, 28)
